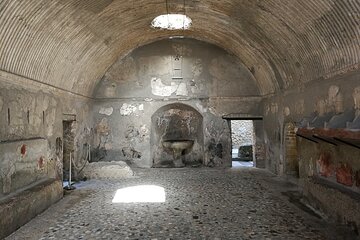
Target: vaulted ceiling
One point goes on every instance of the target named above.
(284, 43)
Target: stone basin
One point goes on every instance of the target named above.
(178, 144)
(178, 148)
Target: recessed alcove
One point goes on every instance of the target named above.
(177, 136)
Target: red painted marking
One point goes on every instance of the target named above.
(344, 175)
(23, 149)
(326, 167)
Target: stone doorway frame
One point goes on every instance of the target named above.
(67, 124)
(234, 133)
(258, 144)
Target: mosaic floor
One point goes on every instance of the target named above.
(188, 203)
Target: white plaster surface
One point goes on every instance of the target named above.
(127, 109)
(160, 89)
(106, 111)
(182, 90)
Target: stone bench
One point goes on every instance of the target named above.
(335, 202)
(20, 207)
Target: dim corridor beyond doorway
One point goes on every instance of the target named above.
(238, 203)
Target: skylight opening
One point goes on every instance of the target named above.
(172, 22)
(140, 194)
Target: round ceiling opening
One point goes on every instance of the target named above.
(172, 22)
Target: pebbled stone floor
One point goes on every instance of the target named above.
(240, 203)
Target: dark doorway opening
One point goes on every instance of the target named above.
(242, 143)
(68, 148)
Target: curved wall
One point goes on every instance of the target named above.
(177, 136)
(203, 76)
(71, 44)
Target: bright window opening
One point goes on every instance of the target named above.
(140, 194)
(172, 22)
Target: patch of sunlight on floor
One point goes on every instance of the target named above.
(140, 194)
(242, 164)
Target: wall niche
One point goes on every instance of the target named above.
(177, 137)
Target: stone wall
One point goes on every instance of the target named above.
(330, 104)
(177, 138)
(31, 145)
(326, 117)
(193, 73)
(31, 131)
(242, 133)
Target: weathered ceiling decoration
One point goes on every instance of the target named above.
(284, 43)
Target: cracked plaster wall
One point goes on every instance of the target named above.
(329, 173)
(177, 68)
(31, 131)
(191, 72)
(321, 104)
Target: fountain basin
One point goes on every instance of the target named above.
(178, 148)
(178, 144)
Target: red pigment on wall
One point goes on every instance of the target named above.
(344, 175)
(23, 149)
(326, 167)
(41, 162)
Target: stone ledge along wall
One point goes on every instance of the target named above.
(31, 136)
(194, 73)
(326, 109)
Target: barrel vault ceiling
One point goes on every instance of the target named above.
(284, 43)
